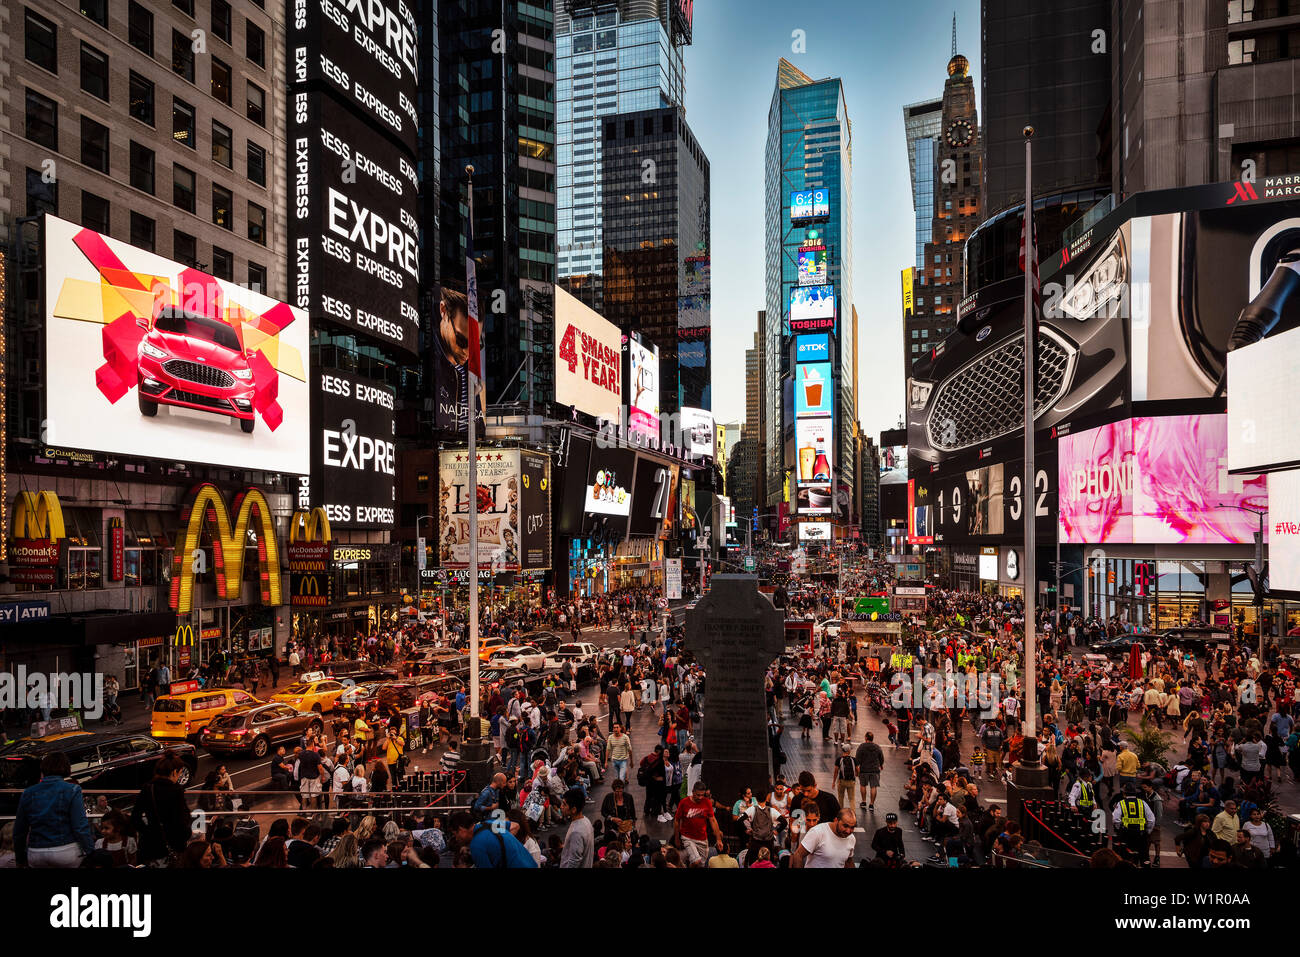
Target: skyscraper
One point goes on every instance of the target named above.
(612, 56)
(809, 151)
(656, 246)
(922, 123)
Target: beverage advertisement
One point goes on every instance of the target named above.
(812, 265)
(813, 390)
(814, 445)
(147, 357)
(497, 499)
(1156, 480)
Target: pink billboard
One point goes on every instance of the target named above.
(1156, 480)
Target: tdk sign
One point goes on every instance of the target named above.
(812, 348)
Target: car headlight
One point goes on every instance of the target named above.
(152, 350)
(918, 392)
(244, 374)
(1102, 284)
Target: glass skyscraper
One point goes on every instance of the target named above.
(922, 123)
(612, 56)
(809, 146)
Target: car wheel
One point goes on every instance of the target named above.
(147, 408)
(315, 727)
(183, 778)
(260, 747)
(247, 424)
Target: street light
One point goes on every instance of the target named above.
(419, 566)
(1257, 579)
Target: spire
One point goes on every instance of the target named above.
(954, 33)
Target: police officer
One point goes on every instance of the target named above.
(1134, 822)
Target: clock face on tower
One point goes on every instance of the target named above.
(960, 134)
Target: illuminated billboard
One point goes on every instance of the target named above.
(643, 395)
(1156, 480)
(814, 447)
(514, 509)
(218, 372)
(812, 303)
(1261, 381)
(588, 357)
(815, 348)
(810, 204)
(1284, 523)
(697, 431)
(812, 265)
(813, 390)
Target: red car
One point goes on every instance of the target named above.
(197, 363)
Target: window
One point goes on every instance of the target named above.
(142, 231)
(42, 193)
(223, 263)
(222, 85)
(254, 43)
(139, 27)
(183, 188)
(257, 104)
(94, 71)
(42, 120)
(1241, 51)
(1241, 11)
(222, 145)
(257, 277)
(256, 164)
(183, 124)
(182, 56)
(42, 42)
(185, 249)
(257, 223)
(185, 6)
(141, 93)
(94, 144)
(94, 212)
(142, 167)
(97, 10)
(221, 20)
(223, 207)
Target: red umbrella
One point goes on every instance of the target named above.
(1135, 661)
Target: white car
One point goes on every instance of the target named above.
(831, 627)
(518, 656)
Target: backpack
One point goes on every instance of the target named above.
(761, 827)
(847, 770)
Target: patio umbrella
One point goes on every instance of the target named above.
(1135, 661)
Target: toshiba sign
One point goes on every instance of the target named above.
(588, 357)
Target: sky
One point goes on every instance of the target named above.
(887, 55)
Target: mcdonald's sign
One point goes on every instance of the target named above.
(37, 536)
(309, 559)
(184, 634)
(205, 508)
(311, 526)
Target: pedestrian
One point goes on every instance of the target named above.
(579, 840)
(51, 828)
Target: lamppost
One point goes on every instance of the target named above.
(419, 567)
(1256, 574)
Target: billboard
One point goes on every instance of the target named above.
(219, 372)
(643, 394)
(534, 510)
(1261, 381)
(814, 444)
(697, 431)
(808, 303)
(909, 302)
(588, 355)
(1284, 523)
(814, 392)
(609, 483)
(816, 348)
(354, 240)
(354, 455)
(983, 502)
(988, 565)
(500, 529)
(812, 265)
(809, 204)
(696, 276)
(365, 53)
(1156, 480)
(815, 531)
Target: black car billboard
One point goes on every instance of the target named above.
(365, 52)
(984, 503)
(354, 469)
(353, 235)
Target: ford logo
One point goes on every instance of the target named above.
(983, 334)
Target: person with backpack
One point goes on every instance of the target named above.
(761, 821)
(491, 845)
(991, 739)
(844, 776)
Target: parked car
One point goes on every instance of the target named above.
(580, 652)
(254, 730)
(103, 760)
(457, 664)
(505, 677)
(404, 693)
(519, 656)
(488, 645)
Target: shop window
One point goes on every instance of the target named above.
(84, 562)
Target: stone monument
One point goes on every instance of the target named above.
(736, 633)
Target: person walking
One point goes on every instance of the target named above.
(870, 760)
(51, 828)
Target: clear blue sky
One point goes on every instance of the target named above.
(888, 54)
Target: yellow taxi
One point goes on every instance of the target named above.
(488, 645)
(187, 710)
(314, 692)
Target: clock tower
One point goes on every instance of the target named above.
(937, 285)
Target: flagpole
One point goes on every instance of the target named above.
(1029, 569)
(471, 288)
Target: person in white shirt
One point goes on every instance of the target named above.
(1261, 834)
(829, 844)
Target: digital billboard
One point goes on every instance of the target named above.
(609, 483)
(808, 303)
(814, 392)
(697, 431)
(354, 454)
(696, 276)
(354, 241)
(814, 445)
(815, 348)
(1156, 480)
(588, 356)
(643, 395)
(218, 372)
(534, 510)
(815, 531)
(808, 204)
(812, 265)
(1284, 524)
(982, 503)
(500, 529)
(365, 52)
(693, 317)
(1261, 381)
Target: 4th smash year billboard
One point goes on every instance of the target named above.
(218, 372)
(354, 254)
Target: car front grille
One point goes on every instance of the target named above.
(984, 400)
(198, 373)
(193, 398)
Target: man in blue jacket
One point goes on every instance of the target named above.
(491, 843)
(51, 829)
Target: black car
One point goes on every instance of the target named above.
(359, 671)
(100, 760)
(404, 693)
(253, 729)
(1120, 644)
(1197, 639)
(545, 642)
(508, 677)
(456, 664)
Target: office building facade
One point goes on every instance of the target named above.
(922, 124)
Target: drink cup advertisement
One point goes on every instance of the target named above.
(813, 390)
